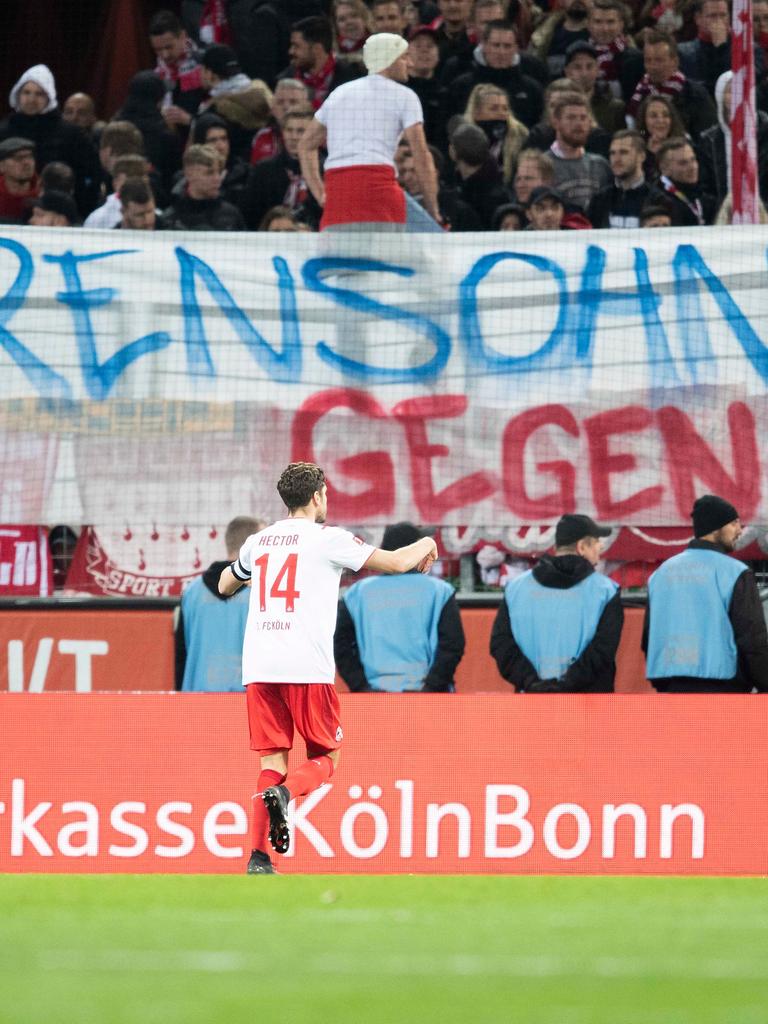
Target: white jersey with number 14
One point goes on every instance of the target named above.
(295, 568)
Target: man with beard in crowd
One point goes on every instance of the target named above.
(313, 61)
(579, 175)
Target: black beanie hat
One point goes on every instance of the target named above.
(710, 513)
(221, 60)
(399, 535)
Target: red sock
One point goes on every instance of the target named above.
(313, 773)
(260, 820)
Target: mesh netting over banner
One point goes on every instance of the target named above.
(482, 380)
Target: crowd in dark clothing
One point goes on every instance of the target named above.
(576, 114)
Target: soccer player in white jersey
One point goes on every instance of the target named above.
(294, 568)
(360, 124)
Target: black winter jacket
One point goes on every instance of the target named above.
(55, 139)
(526, 97)
(261, 31)
(187, 214)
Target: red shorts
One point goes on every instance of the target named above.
(365, 193)
(274, 709)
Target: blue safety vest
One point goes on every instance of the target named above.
(690, 632)
(552, 626)
(396, 620)
(213, 632)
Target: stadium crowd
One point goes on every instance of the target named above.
(583, 113)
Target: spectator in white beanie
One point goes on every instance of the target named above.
(360, 125)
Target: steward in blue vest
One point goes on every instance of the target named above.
(399, 633)
(704, 629)
(210, 627)
(558, 628)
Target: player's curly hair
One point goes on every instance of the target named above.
(298, 483)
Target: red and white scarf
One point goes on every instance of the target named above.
(214, 27)
(184, 72)
(297, 191)
(319, 82)
(645, 87)
(606, 58)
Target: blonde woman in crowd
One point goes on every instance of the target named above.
(488, 108)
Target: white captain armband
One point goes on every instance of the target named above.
(239, 572)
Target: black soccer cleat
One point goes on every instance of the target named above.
(276, 800)
(260, 864)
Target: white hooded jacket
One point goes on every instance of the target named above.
(41, 75)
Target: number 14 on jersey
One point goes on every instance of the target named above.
(284, 584)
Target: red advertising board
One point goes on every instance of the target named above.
(633, 784)
(86, 650)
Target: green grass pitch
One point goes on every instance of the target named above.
(197, 949)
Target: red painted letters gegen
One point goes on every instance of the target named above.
(585, 473)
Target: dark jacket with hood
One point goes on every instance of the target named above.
(594, 670)
(526, 97)
(163, 147)
(484, 192)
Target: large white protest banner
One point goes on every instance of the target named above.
(453, 379)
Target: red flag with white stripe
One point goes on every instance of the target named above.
(743, 123)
